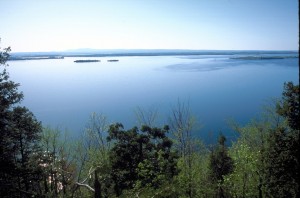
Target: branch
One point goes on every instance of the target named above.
(91, 171)
(26, 192)
(85, 185)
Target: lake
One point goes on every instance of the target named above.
(63, 94)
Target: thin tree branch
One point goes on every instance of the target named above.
(85, 185)
(91, 171)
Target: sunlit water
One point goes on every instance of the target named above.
(63, 93)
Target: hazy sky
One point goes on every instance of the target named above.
(53, 25)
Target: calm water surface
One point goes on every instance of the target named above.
(63, 93)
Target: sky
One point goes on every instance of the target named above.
(57, 25)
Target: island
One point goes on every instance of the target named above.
(86, 61)
(263, 57)
(112, 60)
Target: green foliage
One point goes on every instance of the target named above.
(167, 190)
(57, 163)
(266, 154)
(220, 164)
(192, 179)
(244, 180)
(4, 55)
(141, 158)
(183, 124)
(252, 144)
(289, 105)
(282, 164)
(20, 133)
(282, 155)
(92, 157)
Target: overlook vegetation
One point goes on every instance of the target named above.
(147, 160)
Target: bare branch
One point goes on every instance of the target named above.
(91, 171)
(85, 185)
(146, 116)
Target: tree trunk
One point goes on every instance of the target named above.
(97, 186)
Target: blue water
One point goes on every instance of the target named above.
(63, 93)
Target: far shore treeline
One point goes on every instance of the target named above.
(236, 54)
(147, 160)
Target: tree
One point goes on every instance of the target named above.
(146, 116)
(282, 165)
(193, 182)
(221, 164)
(282, 156)
(141, 158)
(9, 96)
(57, 163)
(19, 140)
(248, 154)
(182, 124)
(244, 180)
(92, 154)
(288, 107)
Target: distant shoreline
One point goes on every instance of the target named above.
(262, 57)
(243, 54)
(20, 58)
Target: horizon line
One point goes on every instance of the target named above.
(88, 50)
